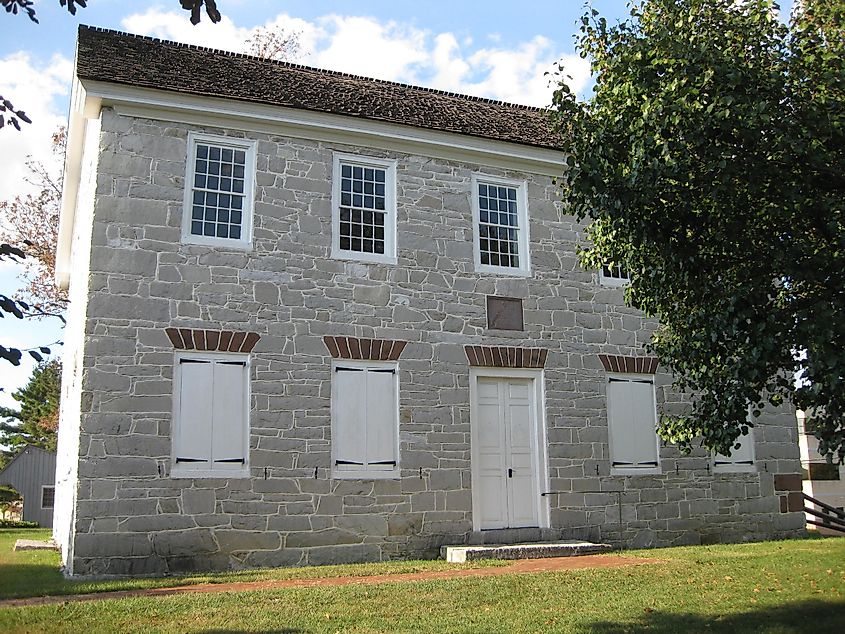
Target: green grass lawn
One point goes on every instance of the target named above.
(772, 587)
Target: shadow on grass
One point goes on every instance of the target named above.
(31, 579)
(798, 617)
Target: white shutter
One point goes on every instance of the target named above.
(192, 443)
(348, 410)
(644, 445)
(228, 433)
(632, 424)
(740, 459)
(381, 424)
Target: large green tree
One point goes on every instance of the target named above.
(36, 420)
(710, 160)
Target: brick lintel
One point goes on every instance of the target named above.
(364, 349)
(212, 340)
(631, 365)
(506, 356)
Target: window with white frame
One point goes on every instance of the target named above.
(365, 419)
(616, 275)
(210, 415)
(219, 191)
(741, 458)
(364, 209)
(500, 213)
(48, 497)
(632, 424)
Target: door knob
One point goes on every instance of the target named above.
(510, 473)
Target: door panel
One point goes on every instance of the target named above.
(505, 431)
(492, 488)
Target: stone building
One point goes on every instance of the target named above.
(321, 318)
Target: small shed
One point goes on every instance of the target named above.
(32, 473)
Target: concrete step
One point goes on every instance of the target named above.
(534, 550)
(34, 544)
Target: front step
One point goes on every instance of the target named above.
(463, 554)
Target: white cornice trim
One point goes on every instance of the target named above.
(321, 126)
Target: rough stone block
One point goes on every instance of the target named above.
(198, 501)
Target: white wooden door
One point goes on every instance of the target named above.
(505, 437)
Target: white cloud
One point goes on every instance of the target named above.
(364, 46)
(34, 87)
(393, 51)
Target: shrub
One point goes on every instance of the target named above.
(17, 524)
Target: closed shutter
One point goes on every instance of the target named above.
(644, 446)
(349, 416)
(193, 436)
(381, 425)
(228, 444)
(631, 419)
(742, 457)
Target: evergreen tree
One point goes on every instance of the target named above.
(36, 422)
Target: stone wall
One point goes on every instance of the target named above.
(131, 518)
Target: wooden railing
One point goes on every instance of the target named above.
(832, 517)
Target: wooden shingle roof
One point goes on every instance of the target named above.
(112, 56)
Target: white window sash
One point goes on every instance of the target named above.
(245, 241)
(389, 167)
(523, 226)
(612, 280)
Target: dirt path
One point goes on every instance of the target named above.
(522, 566)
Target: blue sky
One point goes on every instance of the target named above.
(494, 49)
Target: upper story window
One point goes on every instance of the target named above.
(616, 275)
(219, 191)
(500, 213)
(364, 209)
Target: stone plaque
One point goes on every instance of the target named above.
(504, 313)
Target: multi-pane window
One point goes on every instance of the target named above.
(498, 225)
(365, 419)
(219, 197)
(501, 222)
(364, 209)
(210, 415)
(632, 424)
(48, 497)
(615, 275)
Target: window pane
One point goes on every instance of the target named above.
(362, 208)
(219, 170)
(498, 219)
